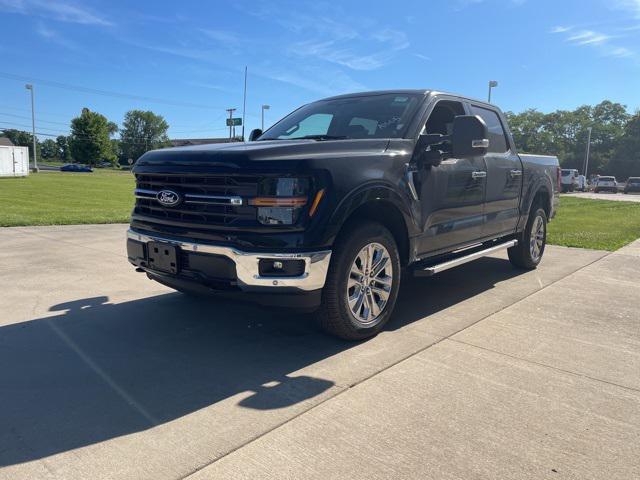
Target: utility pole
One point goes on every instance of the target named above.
(244, 101)
(28, 86)
(231, 110)
(264, 107)
(492, 84)
(586, 158)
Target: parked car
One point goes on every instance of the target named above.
(632, 185)
(569, 180)
(606, 184)
(334, 204)
(74, 167)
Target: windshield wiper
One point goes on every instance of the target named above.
(310, 137)
(321, 137)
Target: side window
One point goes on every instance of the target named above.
(441, 118)
(497, 138)
(316, 124)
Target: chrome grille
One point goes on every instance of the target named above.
(209, 201)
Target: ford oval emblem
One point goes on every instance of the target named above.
(168, 198)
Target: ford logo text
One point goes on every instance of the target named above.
(168, 198)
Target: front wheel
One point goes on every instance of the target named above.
(362, 282)
(528, 253)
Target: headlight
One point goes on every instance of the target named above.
(281, 200)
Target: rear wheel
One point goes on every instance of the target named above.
(362, 282)
(528, 253)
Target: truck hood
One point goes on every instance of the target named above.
(239, 155)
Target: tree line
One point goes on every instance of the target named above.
(92, 139)
(615, 137)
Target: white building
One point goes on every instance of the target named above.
(14, 161)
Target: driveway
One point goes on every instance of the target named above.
(484, 372)
(618, 197)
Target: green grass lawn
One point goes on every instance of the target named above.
(597, 224)
(59, 198)
(106, 196)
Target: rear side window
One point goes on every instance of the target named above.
(497, 138)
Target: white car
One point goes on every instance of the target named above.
(569, 179)
(606, 184)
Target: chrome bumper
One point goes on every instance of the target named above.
(313, 278)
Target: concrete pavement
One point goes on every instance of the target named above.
(485, 372)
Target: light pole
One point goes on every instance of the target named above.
(586, 157)
(264, 107)
(492, 84)
(29, 87)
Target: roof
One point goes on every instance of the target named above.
(6, 142)
(382, 92)
(415, 91)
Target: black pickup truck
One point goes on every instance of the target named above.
(331, 206)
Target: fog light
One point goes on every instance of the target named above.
(280, 268)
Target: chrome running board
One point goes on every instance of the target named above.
(440, 267)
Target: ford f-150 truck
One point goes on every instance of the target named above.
(329, 208)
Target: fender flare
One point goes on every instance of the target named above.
(369, 194)
(541, 184)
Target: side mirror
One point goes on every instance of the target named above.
(255, 133)
(469, 137)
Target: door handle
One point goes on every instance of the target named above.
(479, 174)
(515, 173)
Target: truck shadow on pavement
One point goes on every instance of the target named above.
(93, 371)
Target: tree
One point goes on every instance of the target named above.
(90, 141)
(21, 138)
(62, 143)
(142, 131)
(49, 149)
(626, 160)
(564, 133)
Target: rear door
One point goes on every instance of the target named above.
(504, 176)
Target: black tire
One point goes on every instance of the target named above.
(335, 316)
(525, 255)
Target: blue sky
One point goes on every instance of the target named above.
(545, 54)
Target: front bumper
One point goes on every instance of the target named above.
(247, 273)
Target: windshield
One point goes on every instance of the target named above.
(566, 172)
(606, 179)
(372, 116)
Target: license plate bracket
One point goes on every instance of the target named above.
(163, 257)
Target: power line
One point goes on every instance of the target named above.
(191, 127)
(108, 93)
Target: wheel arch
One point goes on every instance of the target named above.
(376, 203)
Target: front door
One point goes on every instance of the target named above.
(451, 194)
(504, 177)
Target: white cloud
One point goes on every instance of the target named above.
(357, 51)
(560, 29)
(620, 52)
(599, 41)
(56, 10)
(52, 36)
(632, 6)
(588, 37)
(422, 57)
(318, 80)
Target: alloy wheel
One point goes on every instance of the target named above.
(370, 282)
